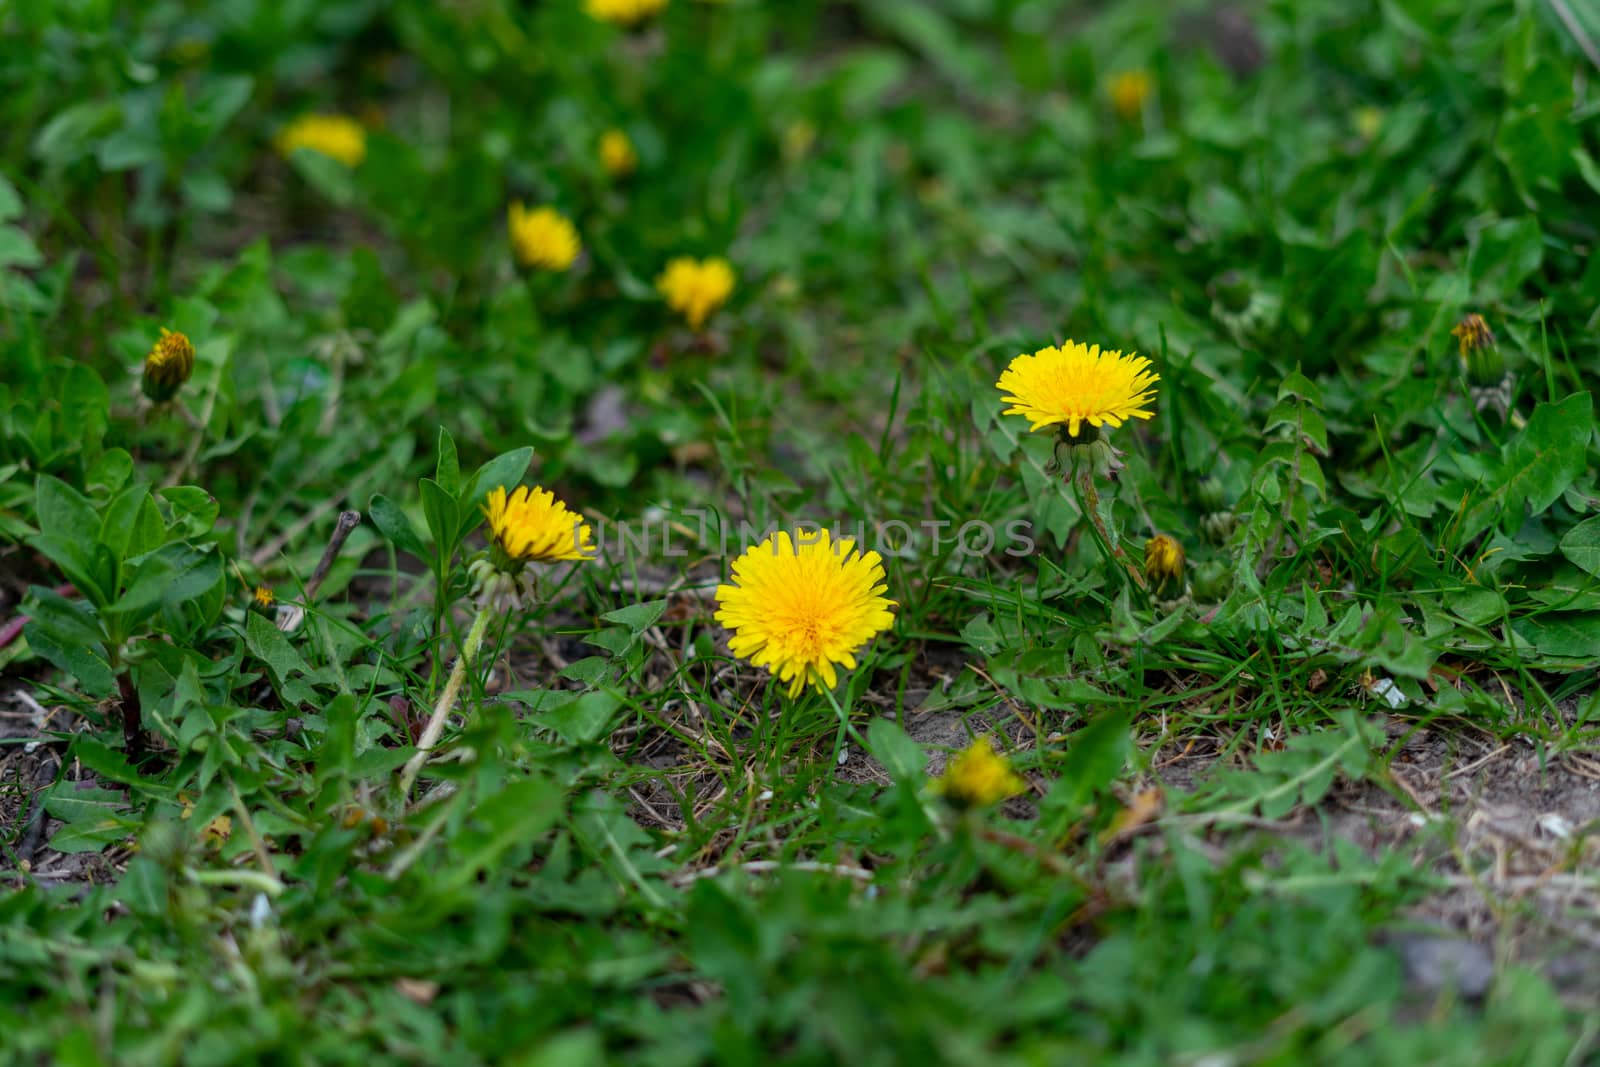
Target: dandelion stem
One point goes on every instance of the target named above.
(447, 700)
(1082, 480)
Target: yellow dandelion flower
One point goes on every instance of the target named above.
(696, 287)
(263, 600)
(978, 777)
(1129, 89)
(623, 12)
(532, 526)
(542, 238)
(617, 155)
(338, 137)
(1163, 561)
(1077, 384)
(802, 603)
(168, 366)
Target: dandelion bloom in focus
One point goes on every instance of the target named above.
(525, 526)
(802, 604)
(978, 777)
(167, 367)
(338, 137)
(617, 155)
(696, 287)
(1129, 89)
(1077, 384)
(1163, 561)
(542, 238)
(623, 12)
(532, 526)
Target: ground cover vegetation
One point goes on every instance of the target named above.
(990, 531)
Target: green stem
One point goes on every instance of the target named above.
(447, 701)
(1082, 480)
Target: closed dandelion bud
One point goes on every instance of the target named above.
(167, 367)
(1233, 292)
(1163, 563)
(1218, 526)
(1212, 495)
(978, 777)
(1210, 582)
(1481, 361)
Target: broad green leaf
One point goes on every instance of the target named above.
(447, 469)
(1093, 762)
(637, 617)
(1582, 545)
(891, 746)
(393, 524)
(270, 646)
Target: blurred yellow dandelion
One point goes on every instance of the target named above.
(1163, 561)
(801, 604)
(617, 154)
(1129, 89)
(623, 12)
(1077, 384)
(168, 366)
(542, 238)
(696, 287)
(979, 776)
(338, 137)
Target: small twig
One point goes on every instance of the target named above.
(348, 521)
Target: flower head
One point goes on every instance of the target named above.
(623, 12)
(542, 238)
(1481, 361)
(801, 603)
(1163, 561)
(1473, 333)
(1074, 384)
(525, 526)
(167, 367)
(696, 287)
(1129, 89)
(978, 777)
(532, 526)
(338, 137)
(617, 154)
(263, 600)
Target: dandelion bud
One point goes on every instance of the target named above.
(1210, 582)
(1163, 562)
(979, 777)
(167, 367)
(1212, 495)
(1481, 361)
(1218, 526)
(1232, 291)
